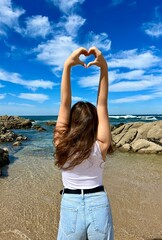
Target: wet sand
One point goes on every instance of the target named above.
(30, 199)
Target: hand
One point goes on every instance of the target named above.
(99, 59)
(74, 60)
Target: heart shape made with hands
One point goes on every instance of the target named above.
(89, 56)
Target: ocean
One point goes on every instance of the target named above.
(40, 143)
(114, 119)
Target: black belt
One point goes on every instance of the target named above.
(83, 191)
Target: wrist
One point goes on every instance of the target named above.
(104, 66)
(67, 65)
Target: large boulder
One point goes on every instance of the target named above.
(139, 137)
(145, 146)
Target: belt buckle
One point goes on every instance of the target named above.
(62, 191)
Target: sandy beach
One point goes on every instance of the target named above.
(30, 198)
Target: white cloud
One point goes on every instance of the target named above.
(136, 83)
(135, 98)
(101, 41)
(90, 81)
(66, 6)
(31, 84)
(9, 16)
(133, 59)
(54, 52)
(158, 94)
(2, 96)
(93, 80)
(72, 24)
(34, 97)
(75, 99)
(21, 104)
(131, 75)
(131, 86)
(37, 26)
(135, 80)
(153, 29)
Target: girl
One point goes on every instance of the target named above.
(82, 138)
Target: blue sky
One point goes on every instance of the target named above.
(37, 36)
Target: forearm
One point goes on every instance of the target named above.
(66, 86)
(103, 86)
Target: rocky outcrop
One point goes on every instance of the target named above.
(39, 128)
(4, 158)
(15, 122)
(51, 123)
(138, 137)
(9, 136)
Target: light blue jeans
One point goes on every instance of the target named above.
(85, 216)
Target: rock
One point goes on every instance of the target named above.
(155, 132)
(3, 130)
(21, 138)
(14, 122)
(139, 144)
(51, 123)
(4, 157)
(39, 128)
(26, 124)
(139, 137)
(7, 135)
(118, 137)
(125, 148)
(128, 137)
(18, 143)
(118, 130)
(144, 146)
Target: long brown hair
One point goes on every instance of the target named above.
(76, 140)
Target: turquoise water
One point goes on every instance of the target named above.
(41, 142)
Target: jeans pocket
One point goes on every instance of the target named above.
(68, 219)
(100, 218)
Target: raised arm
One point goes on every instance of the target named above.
(65, 105)
(104, 133)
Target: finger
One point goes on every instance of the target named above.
(91, 63)
(82, 50)
(81, 63)
(94, 50)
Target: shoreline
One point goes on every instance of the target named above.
(31, 199)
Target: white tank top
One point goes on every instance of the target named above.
(88, 174)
